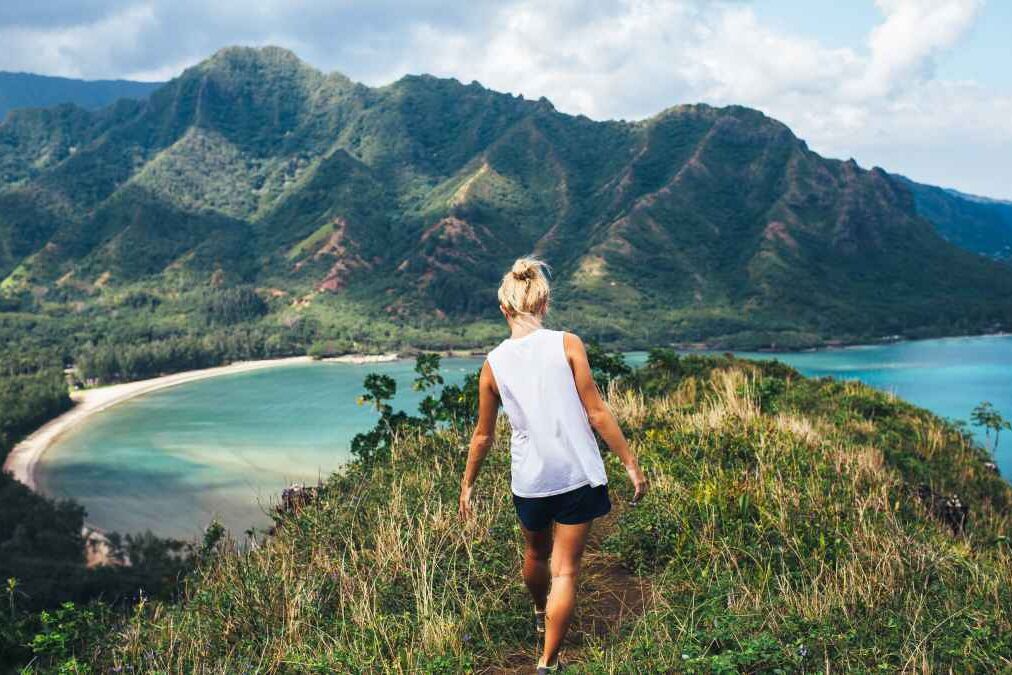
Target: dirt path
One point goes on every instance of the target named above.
(610, 597)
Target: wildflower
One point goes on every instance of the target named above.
(803, 651)
(467, 637)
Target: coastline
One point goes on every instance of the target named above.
(827, 345)
(24, 457)
(362, 358)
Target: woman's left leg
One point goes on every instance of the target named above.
(567, 554)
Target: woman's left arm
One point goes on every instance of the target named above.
(482, 438)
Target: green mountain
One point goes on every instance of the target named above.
(975, 223)
(402, 205)
(26, 90)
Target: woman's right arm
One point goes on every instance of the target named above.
(482, 438)
(598, 413)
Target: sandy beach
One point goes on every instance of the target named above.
(362, 358)
(23, 459)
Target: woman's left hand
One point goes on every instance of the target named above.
(464, 508)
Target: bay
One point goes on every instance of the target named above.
(224, 447)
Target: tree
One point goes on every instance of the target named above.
(605, 367)
(453, 405)
(987, 416)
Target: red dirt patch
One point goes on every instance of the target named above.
(778, 230)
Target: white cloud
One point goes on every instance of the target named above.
(913, 33)
(99, 45)
(880, 101)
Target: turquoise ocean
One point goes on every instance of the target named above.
(224, 447)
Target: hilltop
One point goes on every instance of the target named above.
(793, 525)
(375, 215)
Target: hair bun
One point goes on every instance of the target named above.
(524, 288)
(524, 269)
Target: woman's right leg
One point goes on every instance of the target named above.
(567, 553)
(537, 549)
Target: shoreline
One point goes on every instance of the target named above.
(24, 457)
(359, 359)
(828, 345)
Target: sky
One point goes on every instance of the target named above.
(918, 87)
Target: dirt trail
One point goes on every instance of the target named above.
(609, 598)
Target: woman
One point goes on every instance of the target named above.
(544, 382)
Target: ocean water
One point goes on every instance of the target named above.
(225, 447)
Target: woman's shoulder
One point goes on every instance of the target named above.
(571, 339)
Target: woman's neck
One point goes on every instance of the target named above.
(524, 325)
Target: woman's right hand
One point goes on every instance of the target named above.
(464, 502)
(639, 481)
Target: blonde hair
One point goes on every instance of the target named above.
(524, 289)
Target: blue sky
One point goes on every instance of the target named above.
(919, 87)
(982, 56)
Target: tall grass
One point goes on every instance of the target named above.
(781, 533)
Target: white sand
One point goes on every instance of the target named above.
(23, 459)
(363, 358)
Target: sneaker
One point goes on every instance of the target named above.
(547, 670)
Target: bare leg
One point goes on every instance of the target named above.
(567, 552)
(537, 549)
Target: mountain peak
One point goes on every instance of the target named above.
(257, 62)
(248, 161)
(268, 53)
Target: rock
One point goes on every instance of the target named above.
(295, 496)
(949, 509)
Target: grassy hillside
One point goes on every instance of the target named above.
(401, 205)
(791, 527)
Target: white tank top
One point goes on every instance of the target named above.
(553, 449)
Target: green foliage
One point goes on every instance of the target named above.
(604, 366)
(66, 632)
(781, 534)
(42, 550)
(111, 362)
(322, 349)
(26, 401)
(456, 405)
(26, 90)
(987, 416)
(233, 305)
(976, 224)
(393, 211)
(427, 368)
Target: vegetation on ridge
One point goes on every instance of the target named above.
(785, 531)
(380, 215)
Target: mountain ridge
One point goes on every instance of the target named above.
(20, 90)
(406, 201)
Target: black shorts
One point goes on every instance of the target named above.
(569, 508)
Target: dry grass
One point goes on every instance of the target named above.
(774, 538)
